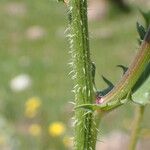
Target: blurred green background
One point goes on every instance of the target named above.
(35, 85)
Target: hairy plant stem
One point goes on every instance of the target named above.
(139, 113)
(85, 127)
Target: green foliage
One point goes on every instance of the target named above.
(141, 31)
(124, 68)
(142, 96)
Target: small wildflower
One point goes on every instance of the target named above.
(56, 129)
(35, 129)
(32, 106)
(20, 82)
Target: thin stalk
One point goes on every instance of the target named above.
(139, 113)
(122, 92)
(131, 76)
(85, 127)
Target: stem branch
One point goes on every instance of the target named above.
(133, 73)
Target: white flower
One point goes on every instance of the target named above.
(20, 82)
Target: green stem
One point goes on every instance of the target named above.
(136, 127)
(129, 83)
(85, 128)
(132, 74)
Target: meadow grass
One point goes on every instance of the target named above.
(44, 58)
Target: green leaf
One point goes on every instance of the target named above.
(144, 76)
(93, 70)
(91, 107)
(124, 68)
(104, 107)
(109, 83)
(141, 31)
(142, 96)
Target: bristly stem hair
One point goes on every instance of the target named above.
(85, 128)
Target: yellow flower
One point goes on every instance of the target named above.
(35, 129)
(56, 129)
(31, 106)
(68, 141)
